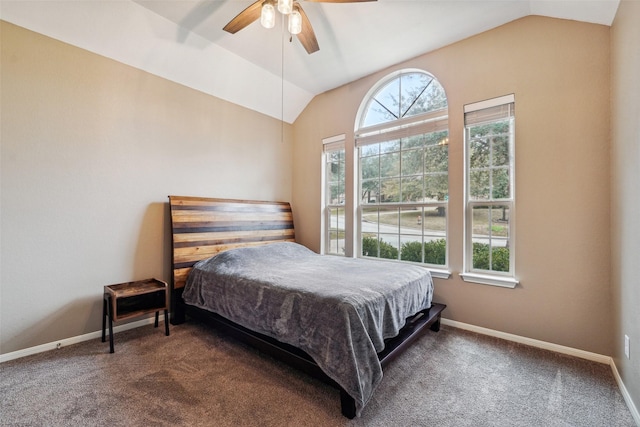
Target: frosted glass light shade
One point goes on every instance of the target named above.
(268, 15)
(285, 6)
(295, 22)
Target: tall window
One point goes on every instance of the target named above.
(489, 192)
(334, 194)
(403, 153)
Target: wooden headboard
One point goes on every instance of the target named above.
(202, 227)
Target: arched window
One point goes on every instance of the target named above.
(407, 95)
(402, 138)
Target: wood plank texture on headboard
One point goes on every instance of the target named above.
(202, 227)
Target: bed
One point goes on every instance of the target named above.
(236, 265)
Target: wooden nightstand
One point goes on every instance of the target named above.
(125, 300)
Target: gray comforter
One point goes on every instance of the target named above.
(338, 310)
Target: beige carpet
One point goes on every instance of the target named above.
(197, 377)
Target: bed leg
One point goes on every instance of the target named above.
(348, 405)
(177, 307)
(435, 327)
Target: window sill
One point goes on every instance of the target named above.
(483, 279)
(440, 274)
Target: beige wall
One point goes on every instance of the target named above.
(90, 151)
(559, 73)
(625, 193)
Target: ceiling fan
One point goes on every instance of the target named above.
(299, 24)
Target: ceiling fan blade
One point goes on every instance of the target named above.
(244, 18)
(307, 37)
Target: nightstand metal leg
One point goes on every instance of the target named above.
(166, 322)
(157, 315)
(111, 349)
(104, 318)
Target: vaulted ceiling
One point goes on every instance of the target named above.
(183, 40)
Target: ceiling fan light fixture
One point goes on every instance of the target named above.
(268, 15)
(295, 22)
(285, 6)
(298, 24)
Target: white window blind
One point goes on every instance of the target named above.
(436, 122)
(333, 143)
(489, 111)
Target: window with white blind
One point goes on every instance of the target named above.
(402, 139)
(334, 195)
(490, 192)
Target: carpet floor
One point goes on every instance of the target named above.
(199, 377)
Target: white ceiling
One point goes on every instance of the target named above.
(183, 40)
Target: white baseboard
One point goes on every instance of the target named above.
(595, 357)
(73, 340)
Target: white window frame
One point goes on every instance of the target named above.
(397, 129)
(331, 144)
(495, 278)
